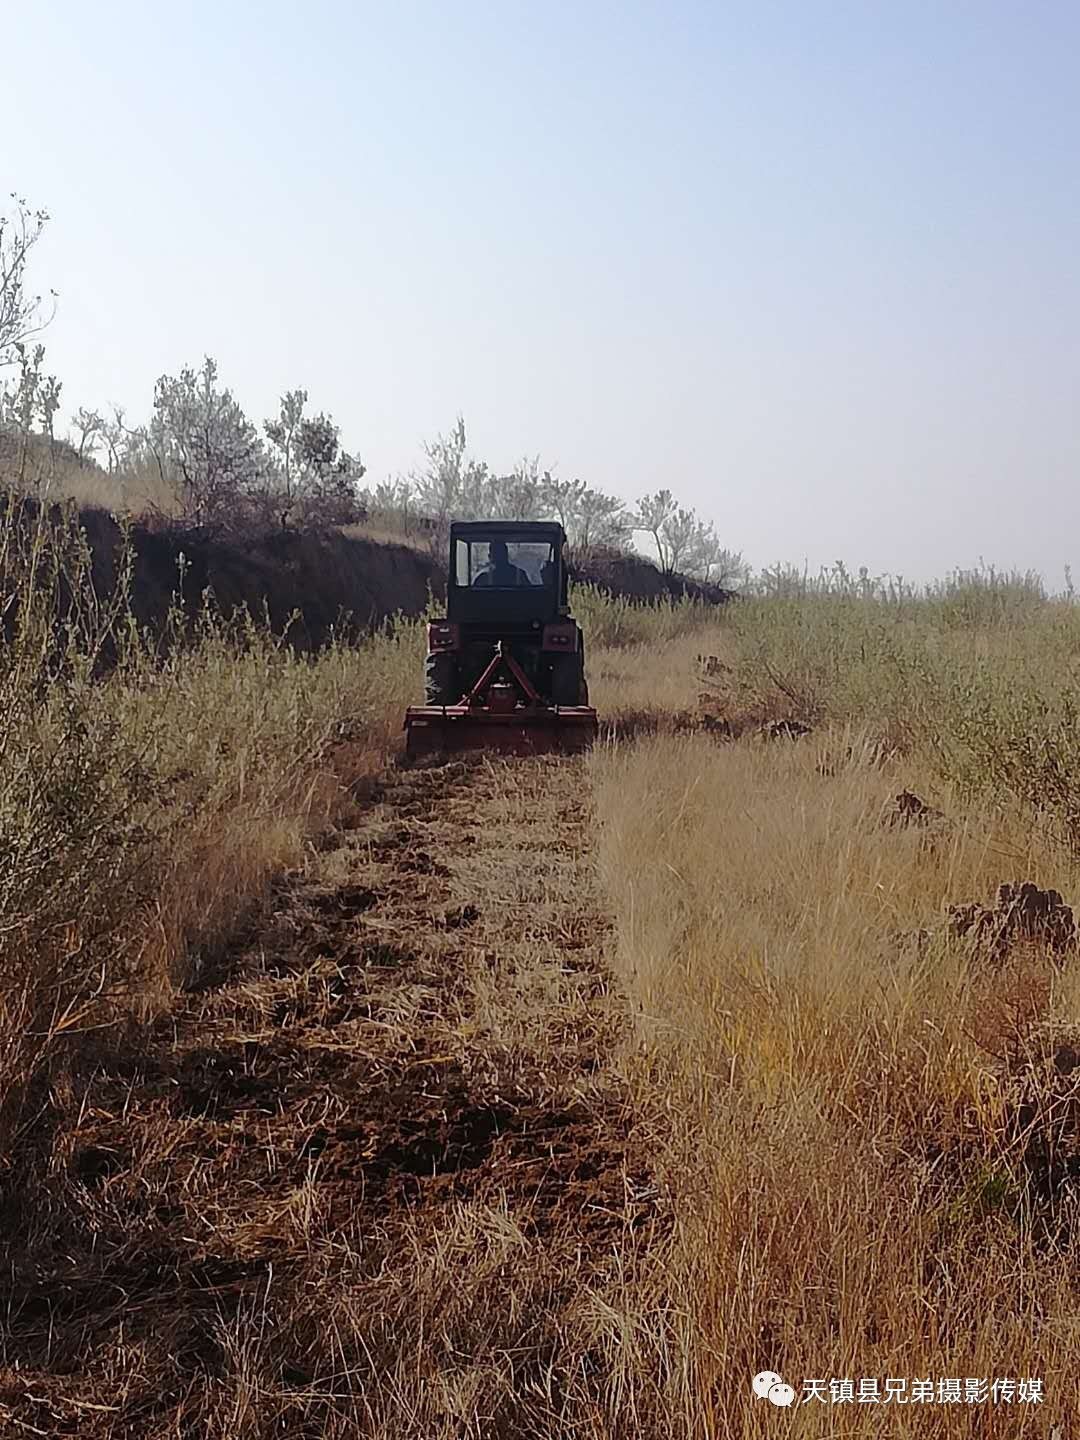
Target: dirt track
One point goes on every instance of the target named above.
(365, 1168)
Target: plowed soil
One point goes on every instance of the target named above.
(369, 1172)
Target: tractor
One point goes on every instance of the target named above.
(505, 669)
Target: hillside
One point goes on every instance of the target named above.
(312, 583)
(366, 571)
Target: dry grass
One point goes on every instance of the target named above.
(144, 810)
(55, 473)
(872, 1128)
(134, 491)
(453, 1103)
(347, 1076)
(384, 532)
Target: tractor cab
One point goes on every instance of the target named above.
(510, 573)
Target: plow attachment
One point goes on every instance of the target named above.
(450, 730)
(500, 717)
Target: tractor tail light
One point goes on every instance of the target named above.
(559, 637)
(443, 635)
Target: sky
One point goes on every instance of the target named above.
(812, 266)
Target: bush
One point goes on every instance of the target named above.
(978, 671)
(144, 801)
(615, 622)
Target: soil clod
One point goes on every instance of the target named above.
(1023, 914)
(909, 810)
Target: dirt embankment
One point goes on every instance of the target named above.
(639, 579)
(326, 579)
(374, 1174)
(316, 583)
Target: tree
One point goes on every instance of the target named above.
(564, 498)
(686, 543)
(518, 495)
(206, 446)
(124, 445)
(589, 517)
(31, 400)
(390, 501)
(451, 486)
(679, 534)
(456, 487)
(89, 426)
(599, 520)
(20, 312)
(331, 476)
(49, 404)
(310, 476)
(711, 562)
(283, 434)
(654, 513)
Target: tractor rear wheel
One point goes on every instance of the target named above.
(568, 685)
(441, 680)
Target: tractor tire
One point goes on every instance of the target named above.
(441, 686)
(568, 685)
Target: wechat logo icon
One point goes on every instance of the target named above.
(769, 1386)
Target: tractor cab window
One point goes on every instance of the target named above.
(504, 564)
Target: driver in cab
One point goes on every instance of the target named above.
(499, 570)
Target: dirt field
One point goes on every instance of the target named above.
(374, 1172)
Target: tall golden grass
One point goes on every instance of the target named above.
(872, 1125)
(35, 465)
(146, 802)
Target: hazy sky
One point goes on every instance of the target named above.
(811, 265)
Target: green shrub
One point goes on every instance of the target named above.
(617, 622)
